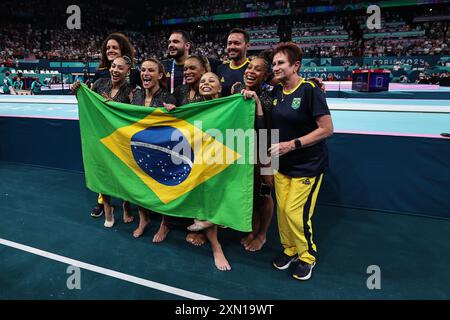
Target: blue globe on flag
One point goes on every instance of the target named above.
(164, 154)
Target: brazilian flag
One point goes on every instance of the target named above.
(194, 162)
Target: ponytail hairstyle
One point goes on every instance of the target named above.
(127, 60)
(267, 57)
(204, 62)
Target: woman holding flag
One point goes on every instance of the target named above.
(153, 94)
(194, 68)
(257, 72)
(210, 88)
(256, 75)
(115, 88)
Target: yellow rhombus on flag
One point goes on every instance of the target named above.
(183, 163)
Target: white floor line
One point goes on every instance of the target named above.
(107, 272)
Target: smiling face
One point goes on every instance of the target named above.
(256, 73)
(119, 70)
(150, 74)
(282, 68)
(236, 46)
(193, 71)
(210, 86)
(177, 46)
(113, 50)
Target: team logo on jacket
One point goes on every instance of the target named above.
(275, 102)
(296, 103)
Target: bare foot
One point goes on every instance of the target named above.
(256, 244)
(109, 218)
(141, 229)
(246, 240)
(220, 261)
(127, 216)
(190, 236)
(200, 225)
(197, 239)
(162, 233)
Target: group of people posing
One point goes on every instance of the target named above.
(284, 101)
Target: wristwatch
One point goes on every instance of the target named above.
(298, 144)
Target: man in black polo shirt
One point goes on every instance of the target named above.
(232, 71)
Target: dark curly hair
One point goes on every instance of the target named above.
(204, 62)
(266, 56)
(126, 48)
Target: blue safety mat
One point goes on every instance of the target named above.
(422, 121)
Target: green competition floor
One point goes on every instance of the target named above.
(48, 209)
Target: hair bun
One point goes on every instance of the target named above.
(267, 55)
(127, 60)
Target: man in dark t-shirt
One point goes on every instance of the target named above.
(178, 48)
(232, 71)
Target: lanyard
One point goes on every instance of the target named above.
(172, 78)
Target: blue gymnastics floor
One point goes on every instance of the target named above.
(47, 209)
(383, 203)
(428, 118)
